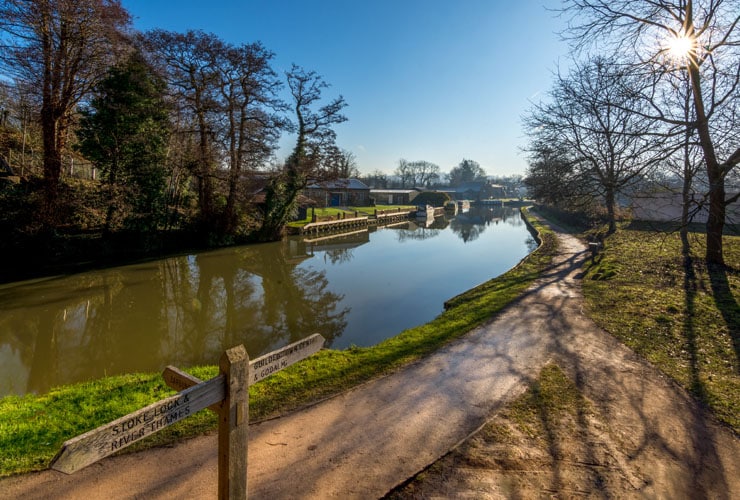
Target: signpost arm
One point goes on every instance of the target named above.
(233, 424)
(227, 394)
(180, 380)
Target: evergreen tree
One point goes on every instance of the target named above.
(125, 134)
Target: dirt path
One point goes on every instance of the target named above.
(366, 441)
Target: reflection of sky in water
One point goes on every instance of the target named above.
(397, 281)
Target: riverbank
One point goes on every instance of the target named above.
(658, 441)
(66, 251)
(33, 427)
(42, 254)
(25, 257)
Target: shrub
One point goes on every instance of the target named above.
(433, 198)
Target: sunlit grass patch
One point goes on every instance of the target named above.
(336, 212)
(673, 313)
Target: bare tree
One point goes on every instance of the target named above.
(417, 173)
(226, 99)
(60, 48)
(403, 171)
(24, 113)
(377, 179)
(341, 163)
(553, 178)
(592, 115)
(190, 64)
(315, 136)
(424, 173)
(703, 36)
(686, 162)
(248, 96)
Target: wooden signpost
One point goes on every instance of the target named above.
(227, 394)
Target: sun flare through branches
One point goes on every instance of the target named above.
(680, 48)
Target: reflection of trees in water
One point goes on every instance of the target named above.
(44, 362)
(19, 337)
(79, 327)
(470, 225)
(317, 307)
(255, 296)
(467, 227)
(181, 310)
(531, 244)
(338, 255)
(295, 301)
(416, 233)
(510, 215)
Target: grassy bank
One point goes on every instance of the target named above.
(32, 428)
(679, 314)
(329, 213)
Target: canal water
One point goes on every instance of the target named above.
(354, 289)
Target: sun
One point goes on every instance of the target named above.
(680, 48)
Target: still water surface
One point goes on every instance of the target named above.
(355, 289)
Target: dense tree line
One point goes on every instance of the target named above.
(651, 99)
(177, 131)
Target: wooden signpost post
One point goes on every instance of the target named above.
(227, 394)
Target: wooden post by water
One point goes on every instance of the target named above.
(233, 422)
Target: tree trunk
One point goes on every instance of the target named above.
(205, 188)
(610, 209)
(52, 165)
(688, 178)
(685, 201)
(203, 174)
(716, 217)
(229, 217)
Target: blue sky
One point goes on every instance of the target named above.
(426, 80)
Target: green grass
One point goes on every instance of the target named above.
(684, 319)
(321, 214)
(33, 428)
(332, 212)
(371, 210)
